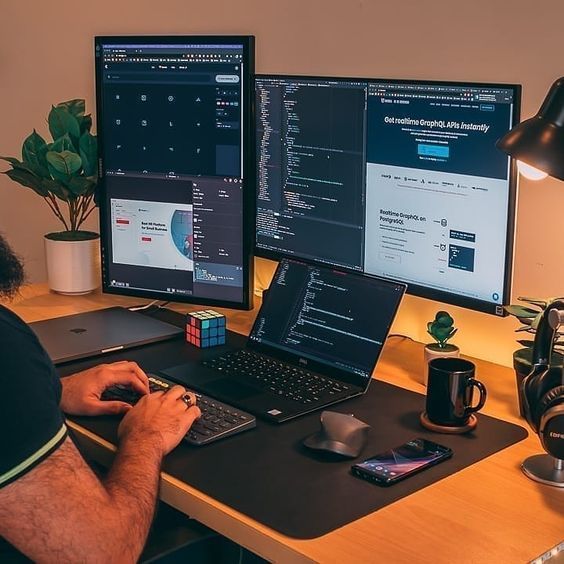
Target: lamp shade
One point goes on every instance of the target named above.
(539, 141)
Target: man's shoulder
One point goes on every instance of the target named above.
(20, 349)
(15, 332)
(10, 321)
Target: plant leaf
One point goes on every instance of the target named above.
(88, 146)
(21, 166)
(56, 188)
(27, 179)
(61, 121)
(63, 143)
(12, 160)
(525, 342)
(75, 107)
(37, 171)
(535, 301)
(81, 186)
(444, 319)
(521, 311)
(63, 165)
(33, 152)
(442, 333)
(85, 124)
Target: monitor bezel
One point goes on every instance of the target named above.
(421, 291)
(249, 168)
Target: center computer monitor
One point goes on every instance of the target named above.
(399, 179)
(177, 176)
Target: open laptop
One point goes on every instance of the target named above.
(97, 332)
(315, 342)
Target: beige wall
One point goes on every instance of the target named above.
(46, 57)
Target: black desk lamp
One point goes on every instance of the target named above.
(539, 141)
(538, 146)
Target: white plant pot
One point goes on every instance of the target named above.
(430, 352)
(73, 267)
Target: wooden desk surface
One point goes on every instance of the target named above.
(489, 512)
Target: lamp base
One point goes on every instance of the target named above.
(545, 469)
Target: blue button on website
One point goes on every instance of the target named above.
(432, 150)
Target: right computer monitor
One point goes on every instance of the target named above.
(399, 179)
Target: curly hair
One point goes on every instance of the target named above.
(11, 270)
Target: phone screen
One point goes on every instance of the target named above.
(397, 463)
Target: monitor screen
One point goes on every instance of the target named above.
(393, 178)
(177, 180)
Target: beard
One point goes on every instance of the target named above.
(11, 271)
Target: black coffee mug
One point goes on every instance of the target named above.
(450, 389)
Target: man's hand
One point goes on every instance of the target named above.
(82, 391)
(162, 416)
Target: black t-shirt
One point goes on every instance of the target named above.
(31, 422)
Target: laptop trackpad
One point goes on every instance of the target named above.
(230, 389)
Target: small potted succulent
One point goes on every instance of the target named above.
(529, 316)
(64, 173)
(442, 330)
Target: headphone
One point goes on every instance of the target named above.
(543, 389)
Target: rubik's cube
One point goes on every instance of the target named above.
(205, 328)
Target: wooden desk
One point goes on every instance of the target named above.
(489, 512)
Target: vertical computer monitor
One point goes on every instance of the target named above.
(399, 179)
(177, 178)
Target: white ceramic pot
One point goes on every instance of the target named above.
(432, 351)
(73, 267)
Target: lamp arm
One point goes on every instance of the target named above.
(549, 322)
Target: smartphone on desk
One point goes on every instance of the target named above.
(391, 466)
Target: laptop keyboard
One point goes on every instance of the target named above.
(218, 419)
(277, 377)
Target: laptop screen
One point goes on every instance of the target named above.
(329, 316)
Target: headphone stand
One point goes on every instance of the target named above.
(545, 469)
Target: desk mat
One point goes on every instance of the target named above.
(269, 476)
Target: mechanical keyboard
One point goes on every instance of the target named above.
(218, 419)
(278, 377)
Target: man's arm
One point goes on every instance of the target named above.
(60, 511)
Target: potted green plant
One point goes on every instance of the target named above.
(442, 330)
(529, 316)
(64, 173)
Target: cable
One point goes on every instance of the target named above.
(400, 336)
(149, 306)
(143, 307)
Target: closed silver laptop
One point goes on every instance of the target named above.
(97, 332)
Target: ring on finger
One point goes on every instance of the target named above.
(187, 399)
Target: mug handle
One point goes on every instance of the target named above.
(483, 395)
